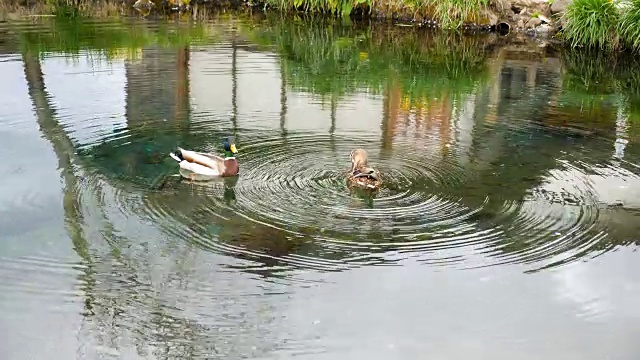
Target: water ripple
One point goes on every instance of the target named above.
(290, 207)
(27, 277)
(294, 207)
(292, 195)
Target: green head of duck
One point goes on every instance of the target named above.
(230, 149)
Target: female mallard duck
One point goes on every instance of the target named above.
(361, 175)
(206, 166)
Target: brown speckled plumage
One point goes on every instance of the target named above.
(361, 175)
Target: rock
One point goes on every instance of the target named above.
(544, 28)
(544, 19)
(493, 19)
(502, 5)
(559, 6)
(522, 4)
(143, 4)
(488, 18)
(533, 22)
(520, 24)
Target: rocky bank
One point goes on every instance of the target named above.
(530, 16)
(523, 16)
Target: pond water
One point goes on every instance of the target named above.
(506, 226)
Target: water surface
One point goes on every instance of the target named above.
(506, 226)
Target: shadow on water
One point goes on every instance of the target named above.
(486, 151)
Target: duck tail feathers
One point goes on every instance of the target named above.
(177, 155)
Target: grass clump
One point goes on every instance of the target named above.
(63, 8)
(448, 13)
(455, 13)
(339, 7)
(592, 24)
(629, 26)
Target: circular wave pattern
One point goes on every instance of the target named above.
(299, 183)
(291, 208)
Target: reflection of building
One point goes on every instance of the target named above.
(258, 95)
(522, 127)
(134, 281)
(417, 121)
(158, 87)
(157, 111)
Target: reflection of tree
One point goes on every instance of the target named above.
(422, 116)
(64, 150)
(332, 129)
(62, 147)
(283, 99)
(182, 101)
(234, 81)
(105, 301)
(391, 104)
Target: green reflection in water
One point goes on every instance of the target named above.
(418, 70)
(108, 38)
(329, 58)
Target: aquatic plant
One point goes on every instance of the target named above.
(591, 24)
(628, 26)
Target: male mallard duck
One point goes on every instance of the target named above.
(362, 175)
(205, 166)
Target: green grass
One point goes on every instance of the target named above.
(592, 24)
(629, 26)
(340, 7)
(455, 13)
(448, 13)
(65, 8)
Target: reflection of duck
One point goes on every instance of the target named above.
(206, 166)
(361, 175)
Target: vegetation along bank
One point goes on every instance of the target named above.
(611, 25)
